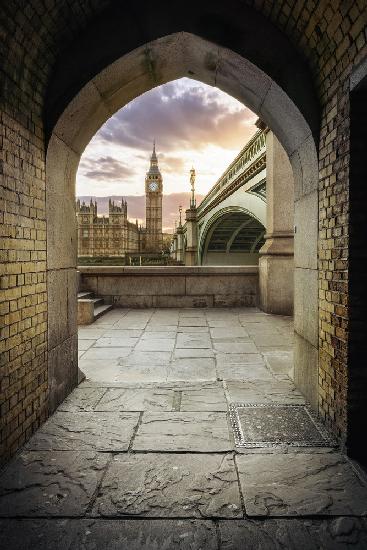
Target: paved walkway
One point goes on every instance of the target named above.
(142, 454)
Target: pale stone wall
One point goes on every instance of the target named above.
(173, 286)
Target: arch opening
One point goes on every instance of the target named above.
(172, 57)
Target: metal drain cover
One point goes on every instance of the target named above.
(258, 425)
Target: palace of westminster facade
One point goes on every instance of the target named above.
(115, 235)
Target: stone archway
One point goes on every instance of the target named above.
(244, 218)
(157, 62)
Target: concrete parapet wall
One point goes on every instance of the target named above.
(178, 286)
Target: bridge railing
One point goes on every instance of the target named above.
(252, 150)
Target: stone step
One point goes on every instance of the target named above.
(101, 310)
(84, 294)
(95, 301)
(90, 308)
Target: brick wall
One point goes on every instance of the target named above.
(23, 306)
(331, 36)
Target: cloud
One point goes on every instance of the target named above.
(105, 169)
(181, 114)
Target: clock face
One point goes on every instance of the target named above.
(153, 186)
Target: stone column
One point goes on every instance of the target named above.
(179, 255)
(191, 254)
(276, 265)
(174, 247)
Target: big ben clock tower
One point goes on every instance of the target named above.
(153, 206)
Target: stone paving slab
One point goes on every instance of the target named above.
(226, 322)
(152, 335)
(38, 483)
(82, 399)
(203, 399)
(123, 333)
(88, 333)
(193, 341)
(116, 342)
(100, 534)
(192, 369)
(264, 391)
(83, 345)
(279, 362)
(228, 332)
(183, 431)
(106, 353)
(193, 322)
(301, 484)
(233, 347)
(70, 431)
(240, 359)
(243, 372)
(170, 485)
(271, 339)
(142, 374)
(137, 399)
(294, 534)
(191, 329)
(160, 328)
(130, 324)
(177, 534)
(155, 344)
(100, 370)
(184, 353)
(146, 358)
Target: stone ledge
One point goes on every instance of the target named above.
(168, 270)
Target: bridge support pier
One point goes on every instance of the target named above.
(179, 254)
(191, 253)
(276, 266)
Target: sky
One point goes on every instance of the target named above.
(192, 123)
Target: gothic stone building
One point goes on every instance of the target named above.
(106, 236)
(115, 235)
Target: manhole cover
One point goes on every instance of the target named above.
(257, 425)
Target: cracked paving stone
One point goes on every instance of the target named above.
(93, 534)
(294, 534)
(203, 400)
(177, 431)
(170, 485)
(301, 484)
(66, 431)
(82, 399)
(44, 484)
(137, 399)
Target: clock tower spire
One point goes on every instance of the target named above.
(153, 206)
